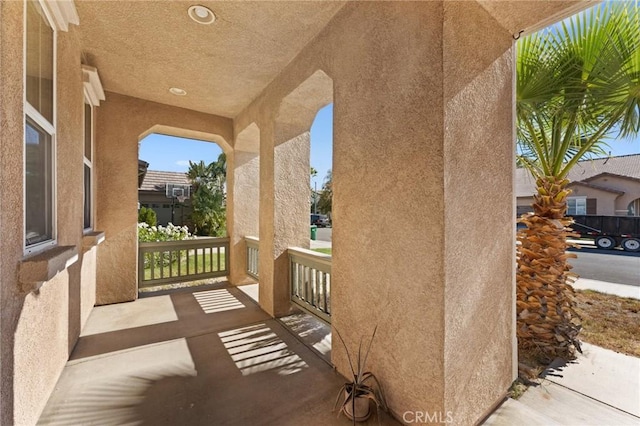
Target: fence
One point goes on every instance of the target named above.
(252, 256)
(177, 261)
(310, 278)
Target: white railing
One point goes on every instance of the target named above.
(253, 259)
(177, 261)
(310, 280)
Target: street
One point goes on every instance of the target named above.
(613, 266)
(323, 234)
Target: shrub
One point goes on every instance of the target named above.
(148, 216)
(170, 232)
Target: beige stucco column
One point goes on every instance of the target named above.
(423, 238)
(284, 210)
(243, 198)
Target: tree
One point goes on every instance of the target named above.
(578, 84)
(208, 197)
(324, 202)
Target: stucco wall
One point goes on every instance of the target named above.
(11, 169)
(479, 248)
(38, 328)
(40, 348)
(121, 123)
(431, 279)
(88, 288)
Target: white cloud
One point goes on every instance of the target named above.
(184, 163)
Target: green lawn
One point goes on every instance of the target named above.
(323, 250)
(204, 262)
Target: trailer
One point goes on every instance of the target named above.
(610, 231)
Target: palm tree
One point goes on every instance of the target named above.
(209, 201)
(578, 84)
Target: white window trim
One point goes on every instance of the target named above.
(579, 197)
(87, 162)
(32, 113)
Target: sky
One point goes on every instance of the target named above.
(169, 153)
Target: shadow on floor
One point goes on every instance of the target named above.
(215, 359)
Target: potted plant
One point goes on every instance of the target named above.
(357, 394)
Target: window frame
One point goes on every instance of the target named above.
(576, 213)
(89, 163)
(30, 112)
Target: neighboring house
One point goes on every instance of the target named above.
(605, 187)
(157, 192)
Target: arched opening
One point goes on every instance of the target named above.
(304, 131)
(321, 160)
(181, 195)
(176, 165)
(292, 203)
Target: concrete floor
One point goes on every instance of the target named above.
(203, 356)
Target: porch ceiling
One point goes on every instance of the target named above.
(530, 16)
(143, 48)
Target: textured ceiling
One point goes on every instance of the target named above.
(143, 48)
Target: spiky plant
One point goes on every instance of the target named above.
(364, 383)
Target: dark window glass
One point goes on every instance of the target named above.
(39, 73)
(87, 197)
(87, 131)
(38, 184)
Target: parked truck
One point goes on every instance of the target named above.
(610, 231)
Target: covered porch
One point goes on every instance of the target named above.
(423, 206)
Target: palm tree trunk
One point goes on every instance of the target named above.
(547, 324)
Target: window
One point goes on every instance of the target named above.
(576, 206)
(88, 165)
(39, 154)
(634, 208)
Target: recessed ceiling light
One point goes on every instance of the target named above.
(201, 14)
(178, 91)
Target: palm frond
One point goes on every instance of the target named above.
(578, 84)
